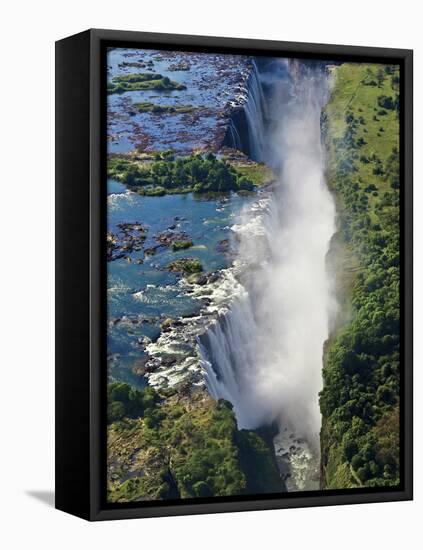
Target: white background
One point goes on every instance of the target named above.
(28, 31)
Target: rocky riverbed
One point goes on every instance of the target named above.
(215, 86)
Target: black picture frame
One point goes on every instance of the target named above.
(81, 272)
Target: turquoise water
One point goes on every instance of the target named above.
(140, 296)
(141, 292)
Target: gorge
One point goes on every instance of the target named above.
(264, 354)
(252, 254)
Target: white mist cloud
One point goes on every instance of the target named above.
(266, 353)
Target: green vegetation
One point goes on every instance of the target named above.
(181, 245)
(360, 398)
(196, 173)
(256, 172)
(125, 401)
(186, 266)
(156, 109)
(142, 81)
(191, 448)
(257, 463)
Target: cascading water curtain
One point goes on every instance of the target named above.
(264, 355)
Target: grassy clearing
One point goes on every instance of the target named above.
(258, 173)
(356, 104)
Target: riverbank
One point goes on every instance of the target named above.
(360, 398)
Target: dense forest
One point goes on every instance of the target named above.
(360, 399)
(171, 445)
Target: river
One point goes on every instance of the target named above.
(254, 333)
(264, 354)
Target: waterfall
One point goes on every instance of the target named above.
(235, 138)
(246, 128)
(264, 354)
(224, 348)
(255, 108)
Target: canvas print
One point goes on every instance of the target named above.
(253, 270)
